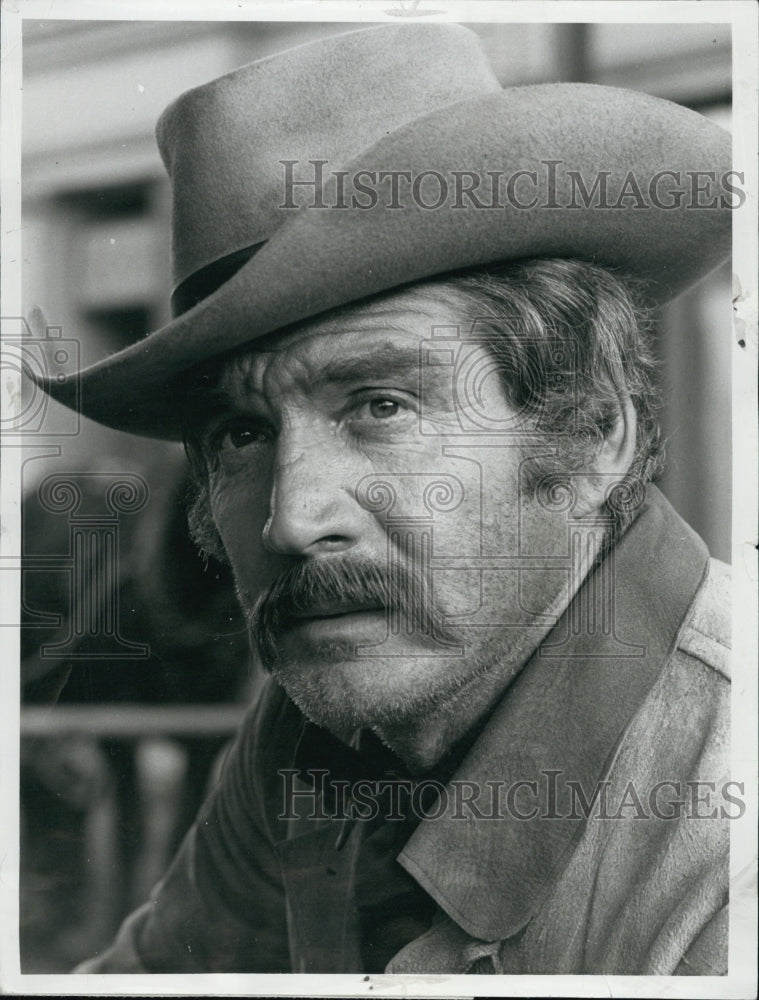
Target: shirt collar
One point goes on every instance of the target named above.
(564, 713)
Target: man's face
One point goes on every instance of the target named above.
(382, 468)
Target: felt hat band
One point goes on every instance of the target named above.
(205, 280)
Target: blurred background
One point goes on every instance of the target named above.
(147, 693)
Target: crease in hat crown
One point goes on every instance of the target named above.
(223, 143)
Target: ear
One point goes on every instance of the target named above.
(611, 461)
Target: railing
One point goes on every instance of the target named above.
(132, 721)
(107, 791)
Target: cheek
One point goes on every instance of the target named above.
(545, 530)
(240, 508)
(494, 509)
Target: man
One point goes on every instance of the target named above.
(411, 365)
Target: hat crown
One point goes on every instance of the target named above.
(223, 143)
(419, 99)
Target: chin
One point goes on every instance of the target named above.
(342, 691)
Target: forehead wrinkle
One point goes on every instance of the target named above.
(240, 376)
(260, 374)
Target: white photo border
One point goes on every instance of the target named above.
(741, 980)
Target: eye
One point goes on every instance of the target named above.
(240, 433)
(381, 408)
(372, 413)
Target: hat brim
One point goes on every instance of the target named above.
(322, 258)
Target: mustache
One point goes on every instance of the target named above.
(328, 587)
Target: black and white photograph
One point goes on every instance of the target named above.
(378, 566)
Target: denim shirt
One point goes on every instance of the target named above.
(585, 831)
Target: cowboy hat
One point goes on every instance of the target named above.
(358, 163)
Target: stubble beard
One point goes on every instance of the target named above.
(335, 692)
(342, 684)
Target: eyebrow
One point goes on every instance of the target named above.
(387, 360)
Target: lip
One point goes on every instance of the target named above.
(353, 623)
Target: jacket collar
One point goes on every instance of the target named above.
(561, 721)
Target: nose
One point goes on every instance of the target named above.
(311, 511)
